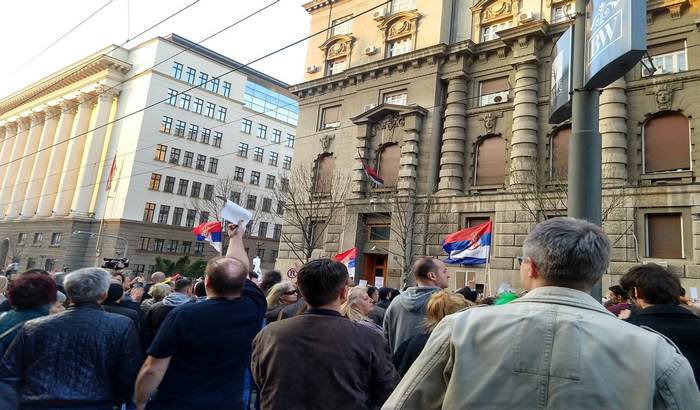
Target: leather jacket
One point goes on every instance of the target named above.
(78, 357)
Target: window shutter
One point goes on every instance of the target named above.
(665, 48)
(664, 236)
(560, 153)
(666, 144)
(331, 115)
(324, 173)
(491, 161)
(494, 86)
(389, 162)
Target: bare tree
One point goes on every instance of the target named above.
(309, 204)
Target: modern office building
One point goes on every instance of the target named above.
(126, 150)
(449, 101)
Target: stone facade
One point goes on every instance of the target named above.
(451, 120)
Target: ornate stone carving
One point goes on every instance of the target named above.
(401, 24)
(389, 123)
(489, 121)
(399, 28)
(663, 95)
(499, 9)
(338, 49)
(326, 142)
(337, 46)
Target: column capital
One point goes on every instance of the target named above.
(37, 118)
(526, 62)
(86, 100)
(52, 111)
(23, 124)
(68, 106)
(11, 128)
(104, 92)
(455, 76)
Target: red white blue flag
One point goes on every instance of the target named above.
(372, 173)
(210, 232)
(470, 246)
(347, 258)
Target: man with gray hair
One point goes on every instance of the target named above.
(81, 358)
(554, 348)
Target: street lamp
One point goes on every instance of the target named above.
(92, 235)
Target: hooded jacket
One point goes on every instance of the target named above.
(159, 310)
(405, 316)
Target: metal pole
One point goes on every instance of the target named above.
(585, 144)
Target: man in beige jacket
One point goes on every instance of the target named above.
(554, 348)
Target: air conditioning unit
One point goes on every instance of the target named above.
(525, 17)
(371, 50)
(368, 107)
(494, 98)
(379, 15)
(312, 69)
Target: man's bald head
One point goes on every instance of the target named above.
(157, 277)
(225, 276)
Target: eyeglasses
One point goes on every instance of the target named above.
(291, 292)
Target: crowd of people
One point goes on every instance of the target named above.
(99, 340)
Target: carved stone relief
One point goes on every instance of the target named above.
(489, 121)
(663, 95)
(326, 141)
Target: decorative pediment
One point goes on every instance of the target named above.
(495, 10)
(382, 111)
(401, 24)
(337, 46)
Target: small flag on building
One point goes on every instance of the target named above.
(112, 171)
(347, 258)
(372, 173)
(470, 246)
(210, 232)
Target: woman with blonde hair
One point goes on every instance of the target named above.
(441, 304)
(280, 296)
(357, 306)
(158, 292)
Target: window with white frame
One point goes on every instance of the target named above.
(399, 47)
(490, 32)
(667, 58)
(402, 5)
(396, 98)
(562, 12)
(493, 91)
(336, 66)
(342, 25)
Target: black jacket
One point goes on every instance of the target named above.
(81, 357)
(678, 324)
(408, 352)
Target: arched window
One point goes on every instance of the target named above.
(490, 161)
(666, 143)
(324, 173)
(559, 154)
(389, 162)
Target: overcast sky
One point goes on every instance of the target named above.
(29, 26)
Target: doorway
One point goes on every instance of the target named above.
(375, 266)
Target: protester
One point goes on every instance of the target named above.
(182, 293)
(115, 292)
(83, 358)
(357, 308)
(270, 279)
(31, 296)
(320, 359)
(156, 277)
(202, 351)
(555, 347)
(157, 293)
(3, 288)
(441, 304)
(405, 316)
(656, 292)
(200, 291)
(618, 299)
(59, 305)
(468, 293)
(377, 313)
(688, 304)
(384, 298)
(5, 305)
(279, 296)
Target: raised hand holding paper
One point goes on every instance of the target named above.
(234, 213)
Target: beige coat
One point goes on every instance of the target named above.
(555, 348)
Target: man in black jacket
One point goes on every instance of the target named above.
(656, 291)
(82, 358)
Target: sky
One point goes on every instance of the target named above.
(29, 27)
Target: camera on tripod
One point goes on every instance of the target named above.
(115, 263)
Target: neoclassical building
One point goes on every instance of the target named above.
(449, 101)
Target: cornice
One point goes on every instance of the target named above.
(314, 5)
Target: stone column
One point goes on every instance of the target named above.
(39, 171)
(408, 171)
(454, 138)
(8, 184)
(359, 179)
(523, 143)
(613, 133)
(26, 165)
(6, 150)
(92, 155)
(57, 156)
(74, 155)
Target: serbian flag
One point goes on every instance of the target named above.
(469, 246)
(210, 232)
(347, 258)
(372, 173)
(112, 171)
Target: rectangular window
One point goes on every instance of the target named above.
(203, 217)
(330, 117)
(56, 238)
(280, 208)
(396, 98)
(175, 156)
(218, 136)
(208, 192)
(139, 268)
(203, 79)
(493, 91)
(198, 105)
(337, 66)
(226, 89)
(273, 256)
(267, 205)
(172, 245)
(196, 188)
(273, 158)
(235, 197)
(261, 132)
(163, 214)
(21, 238)
(177, 216)
(180, 127)
(276, 136)
(31, 263)
(191, 216)
(158, 245)
(148, 212)
(161, 152)
(214, 85)
(166, 124)
(177, 70)
(211, 108)
(169, 184)
(251, 201)
(239, 174)
(213, 165)
(243, 150)
(194, 132)
(198, 249)
(667, 58)
(664, 236)
(182, 187)
(489, 33)
(189, 157)
(290, 140)
(284, 184)
(255, 177)
(262, 229)
(222, 114)
(144, 243)
(38, 238)
(270, 182)
(287, 163)
(277, 231)
(201, 162)
(191, 74)
(186, 247)
(342, 25)
(246, 125)
(562, 12)
(172, 97)
(379, 232)
(185, 100)
(154, 183)
(398, 47)
(206, 134)
(402, 5)
(258, 154)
